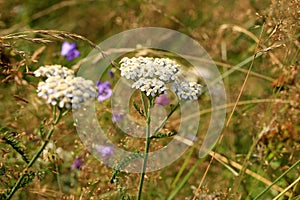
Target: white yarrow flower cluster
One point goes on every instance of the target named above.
(53, 70)
(62, 88)
(150, 86)
(187, 90)
(51, 150)
(151, 75)
(162, 68)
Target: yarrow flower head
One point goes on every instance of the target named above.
(187, 90)
(51, 150)
(152, 75)
(64, 89)
(53, 70)
(69, 50)
(150, 86)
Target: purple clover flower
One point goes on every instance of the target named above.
(104, 90)
(77, 163)
(162, 100)
(105, 151)
(69, 50)
(117, 117)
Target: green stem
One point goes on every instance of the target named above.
(147, 147)
(36, 156)
(165, 119)
(148, 138)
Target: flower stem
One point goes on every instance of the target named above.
(36, 156)
(165, 119)
(147, 147)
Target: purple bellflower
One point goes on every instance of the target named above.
(105, 151)
(69, 50)
(111, 74)
(117, 117)
(77, 163)
(104, 90)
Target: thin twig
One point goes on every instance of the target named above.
(244, 83)
(202, 180)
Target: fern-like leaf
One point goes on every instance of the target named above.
(163, 135)
(15, 144)
(137, 108)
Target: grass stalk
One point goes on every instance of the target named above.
(274, 182)
(183, 166)
(287, 188)
(185, 179)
